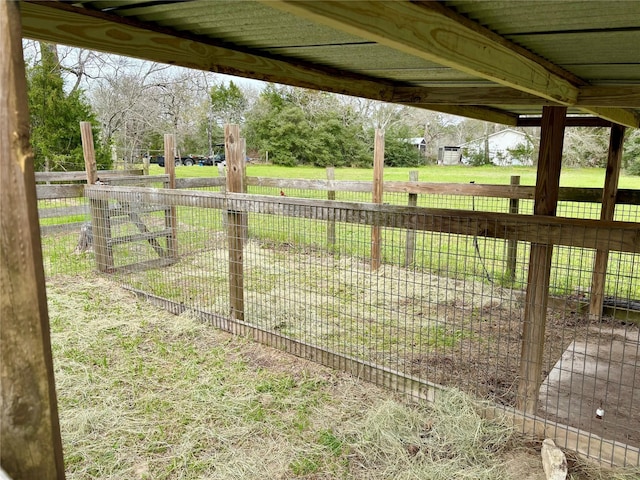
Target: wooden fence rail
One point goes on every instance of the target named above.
(610, 235)
(81, 176)
(516, 192)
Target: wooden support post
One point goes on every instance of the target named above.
(100, 220)
(30, 441)
(512, 245)
(378, 188)
(331, 224)
(171, 218)
(537, 296)
(410, 246)
(235, 220)
(614, 161)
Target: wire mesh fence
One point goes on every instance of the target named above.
(65, 218)
(297, 273)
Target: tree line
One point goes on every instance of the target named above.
(133, 103)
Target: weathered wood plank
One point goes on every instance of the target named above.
(82, 176)
(537, 297)
(30, 441)
(614, 164)
(171, 218)
(618, 236)
(410, 243)
(522, 192)
(51, 192)
(236, 220)
(88, 152)
(143, 236)
(100, 221)
(135, 179)
(378, 191)
(200, 182)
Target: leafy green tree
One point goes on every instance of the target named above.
(398, 151)
(55, 118)
(228, 103)
(298, 127)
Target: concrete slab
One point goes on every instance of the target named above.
(604, 368)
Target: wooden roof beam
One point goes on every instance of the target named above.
(60, 22)
(569, 122)
(430, 31)
(610, 96)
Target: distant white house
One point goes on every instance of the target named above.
(500, 144)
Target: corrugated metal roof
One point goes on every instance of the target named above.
(545, 51)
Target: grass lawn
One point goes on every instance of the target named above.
(570, 177)
(147, 395)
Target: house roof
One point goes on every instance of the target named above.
(494, 134)
(499, 61)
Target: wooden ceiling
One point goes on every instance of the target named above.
(499, 61)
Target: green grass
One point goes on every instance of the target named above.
(569, 177)
(443, 254)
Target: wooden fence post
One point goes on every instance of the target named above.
(614, 160)
(410, 246)
(145, 164)
(512, 245)
(30, 431)
(378, 189)
(236, 220)
(171, 218)
(100, 220)
(331, 223)
(537, 296)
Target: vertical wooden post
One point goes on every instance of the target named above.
(29, 429)
(235, 220)
(145, 165)
(88, 150)
(537, 296)
(410, 246)
(378, 188)
(100, 220)
(609, 193)
(512, 245)
(331, 223)
(171, 218)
